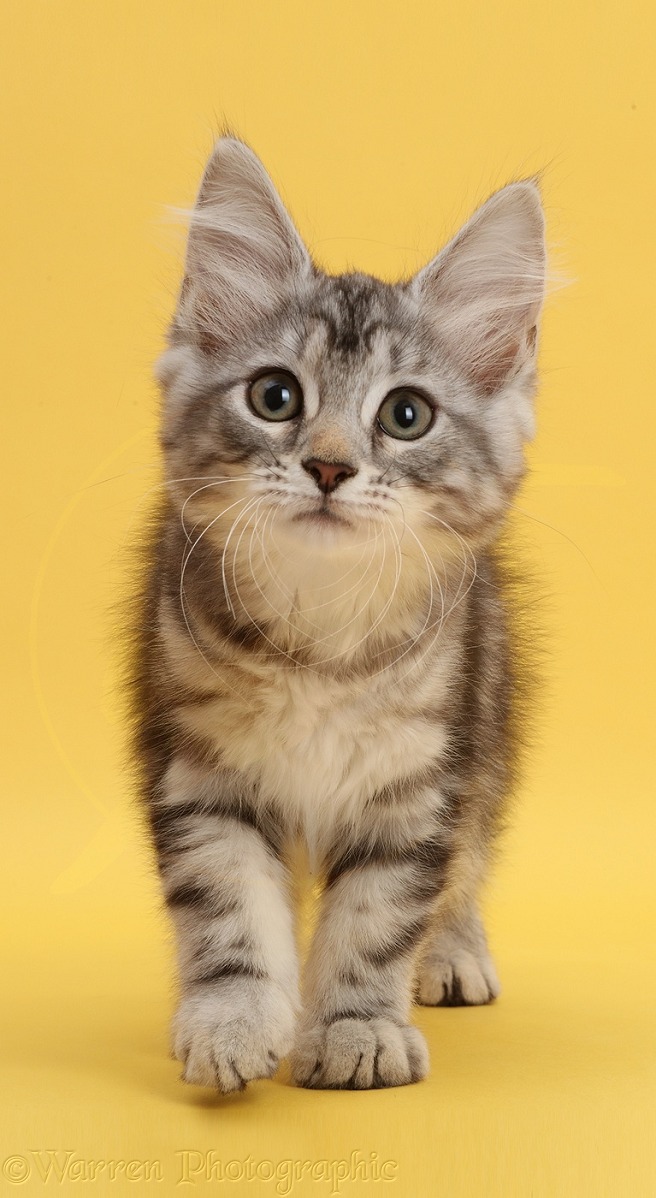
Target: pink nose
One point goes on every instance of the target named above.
(328, 475)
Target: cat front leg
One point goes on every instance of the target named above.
(226, 888)
(375, 910)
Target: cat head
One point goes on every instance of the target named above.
(335, 404)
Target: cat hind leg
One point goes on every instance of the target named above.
(456, 969)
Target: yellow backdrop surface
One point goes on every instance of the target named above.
(384, 125)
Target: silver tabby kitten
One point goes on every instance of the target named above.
(323, 654)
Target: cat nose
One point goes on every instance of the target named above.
(328, 475)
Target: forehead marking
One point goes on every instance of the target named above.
(321, 367)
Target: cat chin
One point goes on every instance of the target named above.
(322, 522)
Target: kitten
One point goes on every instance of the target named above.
(323, 654)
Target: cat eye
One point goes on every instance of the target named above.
(405, 415)
(275, 395)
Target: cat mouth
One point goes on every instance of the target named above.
(325, 516)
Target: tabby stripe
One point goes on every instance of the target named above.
(361, 1013)
(165, 823)
(202, 899)
(402, 944)
(428, 855)
(229, 969)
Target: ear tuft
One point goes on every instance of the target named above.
(243, 252)
(483, 293)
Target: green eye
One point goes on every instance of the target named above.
(275, 396)
(405, 415)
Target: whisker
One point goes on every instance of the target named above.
(389, 467)
(560, 532)
(185, 562)
(356, 584)
(316, 590)
(413, 641)
(465, 544)
(351, 648)
(430, 571)
(250, 505)
(332, 634)
(192, 478)
(443, 617)
(218, 482)
(459, 599)
(255, 624)
(333, 657)
(269, 450)
(281, 615)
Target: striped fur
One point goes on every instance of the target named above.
(331, 670)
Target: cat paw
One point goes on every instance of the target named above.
(227, 1039)
(359, 1054)
(462, 980)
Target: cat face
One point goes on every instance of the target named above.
(330, 407)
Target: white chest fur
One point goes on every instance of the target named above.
(320, 748)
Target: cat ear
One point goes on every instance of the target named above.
(483, 293)
(243, 252)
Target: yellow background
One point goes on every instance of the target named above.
(383, 124)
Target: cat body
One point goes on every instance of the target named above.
(323, 656)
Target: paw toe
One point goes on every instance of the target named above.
(463, 981)
(222, 1047)
(359, 1054)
